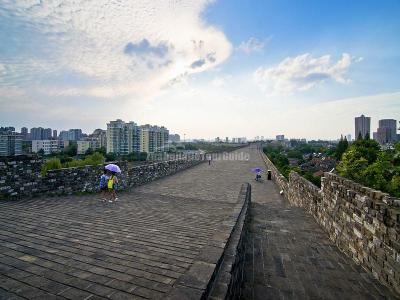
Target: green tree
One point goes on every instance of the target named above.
(102, 150)
(111, 156)
(143, 156)
(89, 151)
(71, 149)
(50, 164)
(394, 185)
(41, 152)
(341, 148)
(94, 159)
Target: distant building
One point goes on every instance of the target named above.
(83, 146)
(24, 133)
(348, 137)
(239, 140)
(63, 135)
(174, 138)
(362, 126)
(48, 146)
(280, 137)
(36, 133)
(382, 135)
(123, 138)
(7, 129)
(62, 144)
(319, 163)
(153, 138)
(70, 135)
(47, 134)
(101, 136)
(74, 134)
(55, 136)
(226, 140)
(10, 142)
(386, 132)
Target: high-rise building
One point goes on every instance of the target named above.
(153, 138)
(37, 133)
(74, 134)
(348, 137)
(391, 126)
(63, 135)
(362, 126)
(47, 134)
(24, 133)
(101, 135)
(123, 138)
(55, 134)
(280, 137)
(10, 142)
(40, 133)
(386, 132)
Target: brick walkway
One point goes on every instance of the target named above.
(78, 248)
(288, 256)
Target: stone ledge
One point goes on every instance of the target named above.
(217, 271)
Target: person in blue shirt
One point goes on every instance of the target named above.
(103, 185)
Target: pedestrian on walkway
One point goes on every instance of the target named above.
(103, 185)
(257, 171)
(209, 159)
(112, 185)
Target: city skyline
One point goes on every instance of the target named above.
(201, 68)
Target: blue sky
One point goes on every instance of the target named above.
(199, 67)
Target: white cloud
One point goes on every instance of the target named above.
(302, 73)
(251, 45)
(220, 81)
(120, 46)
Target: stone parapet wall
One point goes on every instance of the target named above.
(21, 177)
(228, 282)
(303, 193)
(362, 222)
(365, 224)
(277, 177)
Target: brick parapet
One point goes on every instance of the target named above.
(364, 223)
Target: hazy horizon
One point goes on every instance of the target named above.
(199, 67)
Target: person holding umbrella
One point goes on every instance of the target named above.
(258, 171)
(103, 184)
(112, 183)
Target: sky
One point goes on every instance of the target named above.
(206, 69)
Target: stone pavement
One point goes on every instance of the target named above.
(288, 256)
(76, 247)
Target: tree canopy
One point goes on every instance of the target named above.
(366, 164)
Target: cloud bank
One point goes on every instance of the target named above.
(107, 48)
(302, 73)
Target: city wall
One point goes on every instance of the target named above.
(21, 177)
(362, 222)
